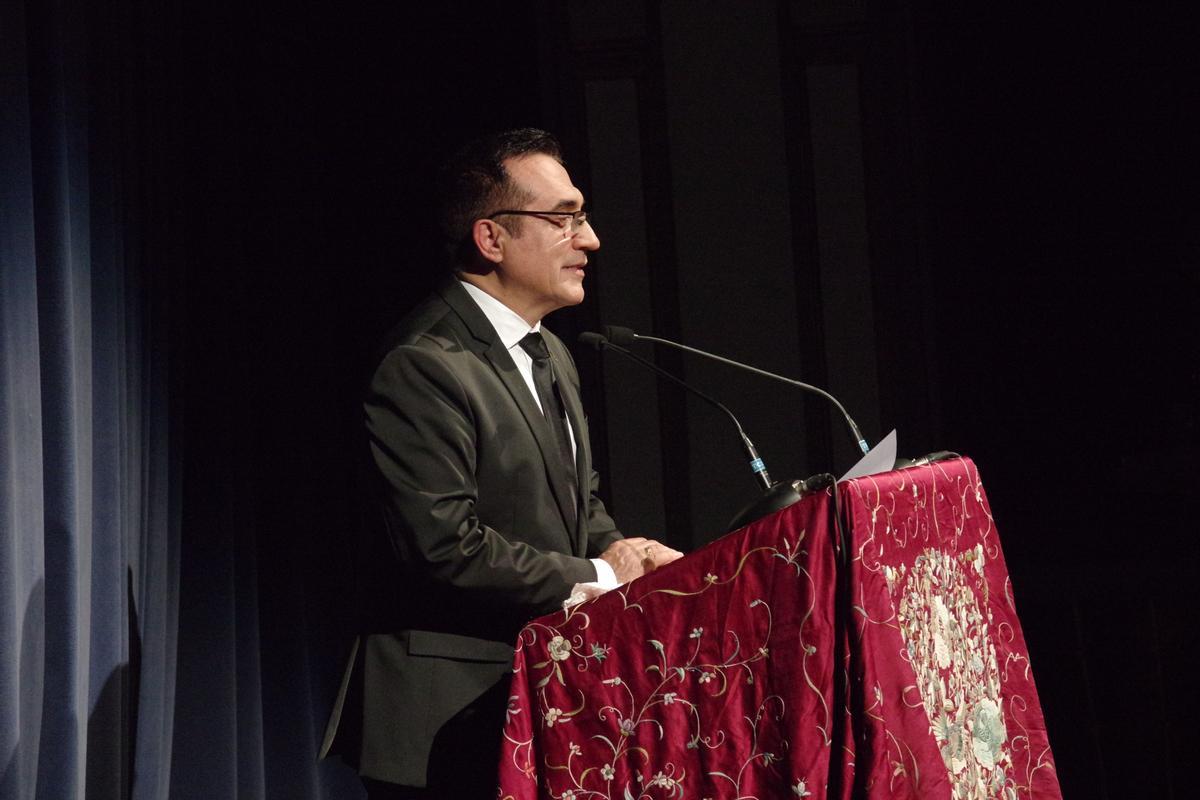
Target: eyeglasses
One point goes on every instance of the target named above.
(571, 221)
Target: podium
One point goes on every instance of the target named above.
(861, 643)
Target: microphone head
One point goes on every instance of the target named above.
(594, 339)
(622, 337)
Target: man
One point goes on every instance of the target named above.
(489, 496)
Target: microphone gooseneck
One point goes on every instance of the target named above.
(626, 336)
(756, 463)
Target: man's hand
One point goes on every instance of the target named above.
(633, 557)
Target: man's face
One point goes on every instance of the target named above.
(542, 268)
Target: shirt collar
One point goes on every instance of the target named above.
(508, 324)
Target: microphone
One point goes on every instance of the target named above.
(617, 335)
(756, 463)
(776, 496)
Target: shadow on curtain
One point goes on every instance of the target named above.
(132, 659)
(88, 532)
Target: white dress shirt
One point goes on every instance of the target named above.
(512, 329)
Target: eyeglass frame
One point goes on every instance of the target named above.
(578, 218)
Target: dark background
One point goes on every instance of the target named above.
(1029, 253)
(1048, 163)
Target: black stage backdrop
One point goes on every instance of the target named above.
(211, 210)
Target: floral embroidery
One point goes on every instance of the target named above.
(559, 648)
(945, 684)
(662, 780)
(635, 714)
(948, 643)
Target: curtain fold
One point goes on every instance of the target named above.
(88, 525)
(143, 652)
(22, 557)
(62, 253)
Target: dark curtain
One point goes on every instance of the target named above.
(210, 211)
(89, 526)
(199, 244)
(132, 658)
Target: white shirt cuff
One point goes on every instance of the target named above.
(606, 579)
(605, 575)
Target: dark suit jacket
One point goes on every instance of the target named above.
(486, 535)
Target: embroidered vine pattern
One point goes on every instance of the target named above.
(681, 681)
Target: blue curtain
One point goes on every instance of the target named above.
(154, 642)
(89, 527)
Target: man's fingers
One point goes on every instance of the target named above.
(634, 556)
(658, 554)
(665, 555)
(626, 559)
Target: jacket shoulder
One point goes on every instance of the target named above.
(433, 326)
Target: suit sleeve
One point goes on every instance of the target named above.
(423, 440)
(601, 530)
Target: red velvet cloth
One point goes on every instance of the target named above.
(946, 704)
(715, 676)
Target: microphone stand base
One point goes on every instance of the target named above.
(777, 498)
(931, 458)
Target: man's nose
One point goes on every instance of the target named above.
(587, 239)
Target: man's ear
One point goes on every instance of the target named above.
(488, 236)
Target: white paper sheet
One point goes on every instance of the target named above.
(880, 458)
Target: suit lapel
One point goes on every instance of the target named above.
(502, 363)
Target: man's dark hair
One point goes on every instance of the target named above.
(474, 183)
